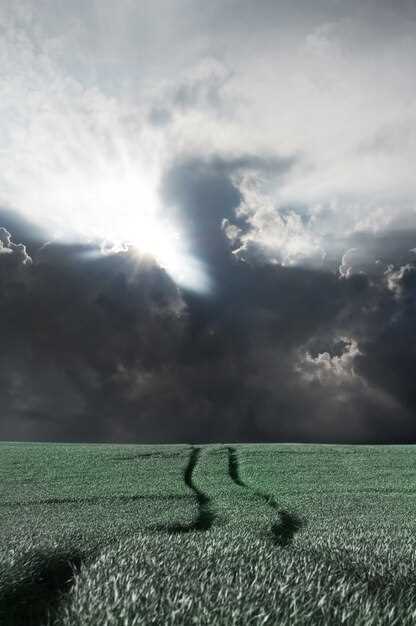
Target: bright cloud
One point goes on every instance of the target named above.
(93, 110)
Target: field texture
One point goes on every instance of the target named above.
(228, 534)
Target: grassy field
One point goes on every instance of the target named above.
(227, 534)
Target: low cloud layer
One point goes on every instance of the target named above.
(109, 348)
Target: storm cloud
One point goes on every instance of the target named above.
(208, 226)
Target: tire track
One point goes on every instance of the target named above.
(206, 514)
(145, 455)
(35, 597)
(289, 523)
(94, 500)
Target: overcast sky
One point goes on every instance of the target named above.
(208, 220)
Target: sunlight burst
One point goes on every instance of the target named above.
(121, 212)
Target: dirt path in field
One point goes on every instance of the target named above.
(289, 523)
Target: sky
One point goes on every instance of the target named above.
(208, 220)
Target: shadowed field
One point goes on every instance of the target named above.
(235, 534)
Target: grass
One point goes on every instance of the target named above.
(236, 534)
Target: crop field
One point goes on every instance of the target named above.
(221, 534)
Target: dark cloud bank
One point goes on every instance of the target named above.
(102, 348)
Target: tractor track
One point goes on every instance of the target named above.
(94, 500)
(206, 514)
(289, 524)
(38, 595)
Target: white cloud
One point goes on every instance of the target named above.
(16, 250)
(333, 371)
(399, 280)
(332, 82)
(280, 238)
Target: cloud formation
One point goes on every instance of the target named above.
(94, 109)
(15, 251)
(273, 353)
(207, 220)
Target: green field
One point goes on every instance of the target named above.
(223, 534)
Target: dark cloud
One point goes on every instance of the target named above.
(106, 347)
(388, 338)
(76, 325)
